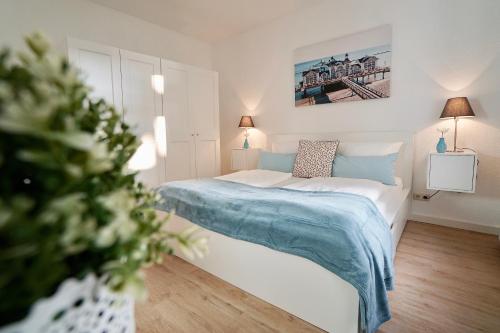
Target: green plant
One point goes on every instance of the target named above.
(68, 205)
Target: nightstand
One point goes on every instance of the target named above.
(244, 159)
(455, 172)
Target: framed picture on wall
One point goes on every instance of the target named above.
(351, 68)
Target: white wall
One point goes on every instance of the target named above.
(85, 20)
(441, 49)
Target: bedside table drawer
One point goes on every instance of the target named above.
(452, 172)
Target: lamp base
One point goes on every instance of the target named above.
(246, 145)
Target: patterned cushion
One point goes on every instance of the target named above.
(315, 158)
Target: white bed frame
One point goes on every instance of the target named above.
(293, 283)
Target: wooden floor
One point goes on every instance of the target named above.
(447, 280)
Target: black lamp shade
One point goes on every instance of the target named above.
(457, 107)
(246, 122)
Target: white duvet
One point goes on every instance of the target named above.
(257, 177)
(387, 198)
(367, 188)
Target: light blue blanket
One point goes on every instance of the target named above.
(345, 233)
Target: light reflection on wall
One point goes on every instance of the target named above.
(145, 156)
(456, 75)
(160, 131)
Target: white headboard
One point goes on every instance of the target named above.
(404, 164)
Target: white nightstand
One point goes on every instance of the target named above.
(454, 172)
(244, 159)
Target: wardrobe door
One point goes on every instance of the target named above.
(180, 134)
(204, 110)
(142, 106)
(100, 65)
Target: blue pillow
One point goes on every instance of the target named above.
(276, 162)
(379, 168)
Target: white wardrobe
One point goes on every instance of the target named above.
(172, 107)
(192, 112)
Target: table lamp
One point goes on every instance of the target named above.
(455, 108)
(246, 123)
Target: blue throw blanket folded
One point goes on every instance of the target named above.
(345, 233)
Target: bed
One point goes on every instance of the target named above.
(292, 283)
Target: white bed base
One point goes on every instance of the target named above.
(293, 283)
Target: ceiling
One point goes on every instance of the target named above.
(208, 20)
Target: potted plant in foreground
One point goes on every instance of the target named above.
(76, 228)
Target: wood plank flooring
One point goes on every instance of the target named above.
(447, 280)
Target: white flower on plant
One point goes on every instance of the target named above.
(193, 247)
(200, 247)
(99, 160)
(73, 170)
(5, 92)
(5, 214)
(134, 285)
(141, 252)
(14, 120)
(120, 203)
(38, 43)
(70, 209)
(67, 205)
(76, 139)
(106, 236)
(18, 115)
(76, 231)
(138, 255)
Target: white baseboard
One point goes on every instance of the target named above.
(486, 229)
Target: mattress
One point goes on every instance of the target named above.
(387, 198)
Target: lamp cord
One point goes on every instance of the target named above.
(469, 149)
(428, 197)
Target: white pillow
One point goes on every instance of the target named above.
(368, 148)
(286, 147)
(346, 148)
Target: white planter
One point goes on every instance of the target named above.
(77, 307)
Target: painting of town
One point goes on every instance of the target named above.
(349, 76)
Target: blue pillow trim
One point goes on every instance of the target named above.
(378, 168)
(276, 162)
